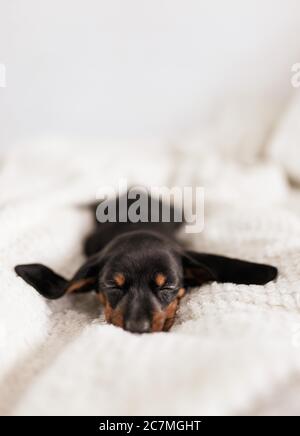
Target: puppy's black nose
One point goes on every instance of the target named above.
(142, 326)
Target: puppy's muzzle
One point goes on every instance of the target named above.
(138, 326)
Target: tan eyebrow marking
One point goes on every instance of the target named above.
(160, 279)
(119, 279)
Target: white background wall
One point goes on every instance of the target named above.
(123, 68)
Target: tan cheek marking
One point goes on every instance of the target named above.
(171, 309)
(170, 314)
(80, 284)
(119, 279)
(160, 279)
(117, 318)
(181, 293)
(107, 308)
(102, 298)
(112, 316)
(158, 321)
(164, 320)
(108, 313)
(168, 324)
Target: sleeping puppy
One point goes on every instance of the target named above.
(140, 272)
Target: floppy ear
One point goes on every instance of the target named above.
(200, 268)
(43, 279)
(52, 286)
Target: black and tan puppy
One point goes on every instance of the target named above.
(140, 273)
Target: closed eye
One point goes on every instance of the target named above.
(167, 294)
(114, 288)
(111, 285)
(161, 282)
(167, 286)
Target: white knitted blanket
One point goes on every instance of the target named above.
(233, 349)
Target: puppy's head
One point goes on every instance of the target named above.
(140, 278)
(141, 283)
